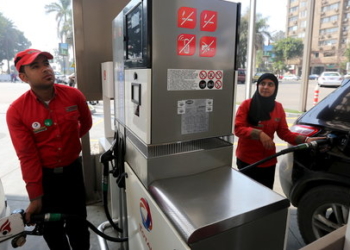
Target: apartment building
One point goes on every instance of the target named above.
(330, 35)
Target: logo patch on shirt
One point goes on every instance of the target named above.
(277, 119)
(41, 129)
(71, 108)
(36, 125)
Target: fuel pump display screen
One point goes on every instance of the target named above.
(134, 33)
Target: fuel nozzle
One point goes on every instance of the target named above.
(322, 144)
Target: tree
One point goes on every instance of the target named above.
(63, 12)
(261, 34)
(279, 35)
(288, 48)
(11, 41)
(279, 67)
(242, 44)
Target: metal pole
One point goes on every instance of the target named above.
(306, 56)
(250, 55)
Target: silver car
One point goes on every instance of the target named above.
(330, 79)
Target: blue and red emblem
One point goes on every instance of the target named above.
(146, 214)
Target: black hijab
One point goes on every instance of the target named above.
(260, 107)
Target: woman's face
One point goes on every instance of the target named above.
(266, 88)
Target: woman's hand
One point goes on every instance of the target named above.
(266, 141)
(310, 139)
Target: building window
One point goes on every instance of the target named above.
(334, 6)
(327, 42)
(292, 28)
(303, 14)
(328, 53)
(329, 19)
(303, 4)
(328, 31)
(301, 35)
(293, 9)
(293, 1)
(303, 24)
(293, 19)
(316, 54)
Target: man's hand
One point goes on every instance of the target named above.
(266, 141)
(33, 208)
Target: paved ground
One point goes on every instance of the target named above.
(15, 190)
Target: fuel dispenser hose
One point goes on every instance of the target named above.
(51, 217)
(303, 146)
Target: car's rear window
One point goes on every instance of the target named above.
(331, 74)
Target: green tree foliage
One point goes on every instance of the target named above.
(63, 12)
(11, 40)
(288, 48)
(261, 34)
(279, 67)
(347, 53)
(284, 50)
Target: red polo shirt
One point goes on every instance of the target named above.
(47, 135)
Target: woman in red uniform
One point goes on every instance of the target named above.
(256, 122)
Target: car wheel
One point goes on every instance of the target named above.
(323, 210)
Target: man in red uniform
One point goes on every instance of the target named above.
(46, 124)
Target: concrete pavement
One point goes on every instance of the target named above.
(14, 187)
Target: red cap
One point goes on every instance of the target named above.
(28, 56)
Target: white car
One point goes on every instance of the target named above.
(331, 79)
(4, 212)
(291, 77)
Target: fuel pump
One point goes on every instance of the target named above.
(174, 66)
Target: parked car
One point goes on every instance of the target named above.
(331, 79)
(241, 76)
(317, 181)
(4, 212)
(313, 77)
(291, 77)
(60, 78)
(257, 75)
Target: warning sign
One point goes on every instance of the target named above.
(186, 17)
(203, 74)
(211, 74)
(207, 46)
(186, 44)
(218, 84)
(209, 20)
(191, 79)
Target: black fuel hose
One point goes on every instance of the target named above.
(51, 217)
(105, 158)
(302, 146)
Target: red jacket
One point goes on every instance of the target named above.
(51, 145)
(249, 148)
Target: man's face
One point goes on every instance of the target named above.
(39, 73)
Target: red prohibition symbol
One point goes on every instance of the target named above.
(218, 84)
(218, 74)
(203, 74)
(211, 74)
